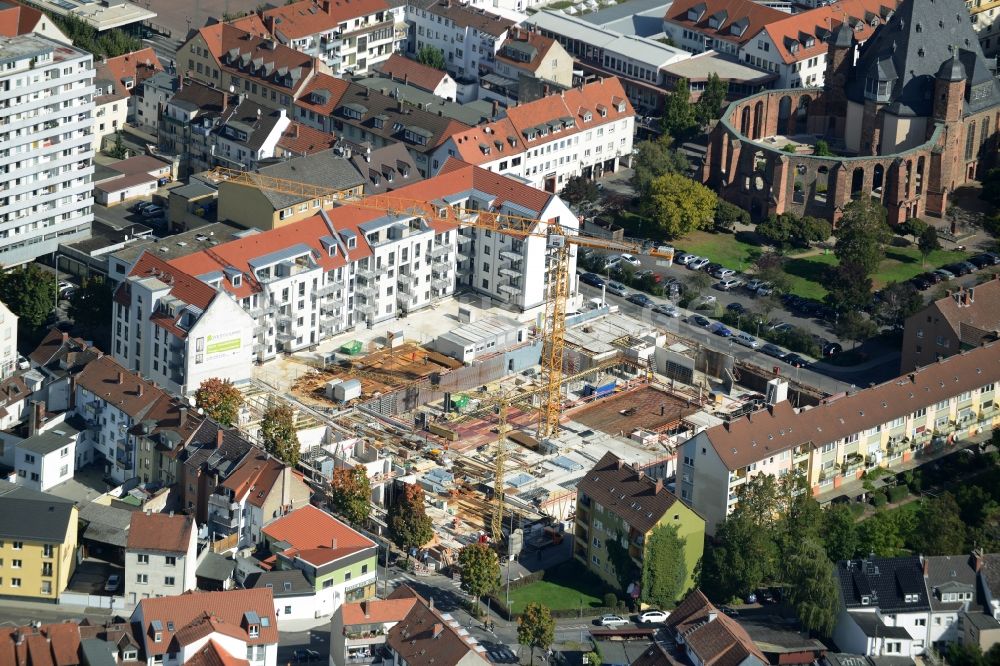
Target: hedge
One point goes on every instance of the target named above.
(898, 493)
(878, 499)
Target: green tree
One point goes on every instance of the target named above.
(728, 215)
(431, 56)
(664, 570)
(770, 267)
(110, 43)
(709, 105)
(742, 562)
(912, 227)
(592, 659)
(789, 230)
(812, 589)
(90, 308)
(839, 532)
(118, 150)
(942, 531)
(862, 236)
(800, 516)
(680, 205)
(578, 190)
(822, 149)
(409, 525)
(880, 535)
(350, 493)
(480, 570)
(678, 118)
(696, 284)
(652, 160)
(220, 400)
(991, 187)
(536, 628)
(277, 433)
(854, 326)
(897, 301)
(30, 293)
(847, 289)
(961, 654)
(928, 242)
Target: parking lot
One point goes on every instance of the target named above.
(91, 577)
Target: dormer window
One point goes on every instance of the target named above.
(352, 243)
(254, 631)
(603, 111)
(331, 250)
(252, 621)
(237, 280)
(158, 637)
(587, 116)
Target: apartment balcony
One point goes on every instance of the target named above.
(366, 273)
(511, 255)
(405, 279)
(441, 283)
(439, 251)
(366, 290)
(509, 289)
(331, 287)
(366, 308)
(463, 239)
(285, 335)
(510, 273)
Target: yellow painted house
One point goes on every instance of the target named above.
(38, 541)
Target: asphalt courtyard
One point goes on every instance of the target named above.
(180, 15)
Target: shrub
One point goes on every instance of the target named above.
(857, 508)
(879, 499)
(789, 148)
(898, 493)
(610, 600)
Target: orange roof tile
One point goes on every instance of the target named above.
(509, 135)
(315, 536)
(323, 94)
(183, 285)
(377, 610)
(540, 42)
(160, 531)
(48, 645)
(256, 475)
(212, 654)
(186, 611)
(306, 17)
(115, 384)
(17, 19)
(299, 139)
(136, 66)
(738, 21)
(821, 22)
(401, 68)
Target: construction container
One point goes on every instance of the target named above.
(352, 347)
(598, 391)
(329, 388)
(346, 391)
(441, 431)
(395, 338)
(524, 439)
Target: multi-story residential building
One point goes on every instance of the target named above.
(48, 456)
(702, 634)
(187, 121)
(127, 415)
(247, 136)
(237, 626)
(410, 72)
(388, 168)
(425, 633)
(17, 19)
(986, 23)
(247, 60)
(115, 79)
(724, 26)
(527, 56)
(38, 541)
(47, 95)
(585, 131)
(337, 561)
(366, 118)
(266, 209)
(963, 319)
(837, 440)
(795, 47)
(209, 458)
(149, 99)
(601, 52)
(358, 630)
(178, 329)
(160, 556)
(350, 37)
(8, 341)
(299, 140)
(468, 36)
(258, 491)
(619, 502)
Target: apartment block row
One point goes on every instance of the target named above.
(928, 409)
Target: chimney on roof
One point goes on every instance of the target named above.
(365, 608)
(36, 418)
(927, 565)
(496, 112)
(977, 559)
(438, 628)
(621, 463)
(333, 543)
(913, 377)
(65, 336)
(431, 603)
(220, 434)
(406, 78)
(658, 487)
(121, 377)
(713, 615)
(138, 390)
(545, 90)
(640, 474)
(183, 415)
(326, 6)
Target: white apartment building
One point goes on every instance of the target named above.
(883, 426)
(585, 131)
(350, 37)
(468, 36)
(46, 156)
(47, 457)
(178, 329)
(160, 556)
(8, 341)
(247, 136)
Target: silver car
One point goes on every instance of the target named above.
(611, 621)
(746, 340)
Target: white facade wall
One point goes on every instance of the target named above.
(111, 438)
(125, 194)
(465, 49)
(161, 574)
(8, 341)
(46, 147)
(383, 33)
(108, 119)
(41, 472)
(231, 151)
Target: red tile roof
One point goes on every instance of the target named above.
(377, 610)
(188, 611)
(214, 655)
(821, 22)
(256, 477)
(306, 17)
(134, 67)
(716, 638)
(426, 637)
(315, 536)
(160, 531)
(299, 140)
(48, 645)
(183, 285)
(118, 386)
(401, 68)
(541, 43)
(509, 135)
(323, 94)
(739, 20)
(17, 19)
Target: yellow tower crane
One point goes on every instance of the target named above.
(559, 240)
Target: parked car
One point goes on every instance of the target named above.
(642, 300)
(667, 310)
(721, 330)
(944, 274)
(684, 258)
(612, 621)
(959, 268)
(980, 261)
(698, 320)
(722, 272)
(630, 259)
(774, 350)
(703, 302)
(654, 617)
(730, 611)
(795, 361)
(779, 326)
(139, 206)
(114, 580)
(152, 211)
(832, 349)
(765, 289)
(746, 340)
(921, 282)
(728, 284)
(697, 263)
(593, 279)
(616, 288)
(641, 275)
(304, 655)
(736, 308)
(712, 267)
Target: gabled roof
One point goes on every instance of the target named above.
(281, 582)
(971, 313)
(47, 645)
(400, 68)
(376, 167)
(467, 17)
(182, 285)
(17, 19)
(770, 431)
(735, 21)
(890, 584)
(30, 515)
(196, 96)
(212, 654)
(948, 573)
(161, 532)
(128, 70)
(324, 169)
(58, 350)
(119, 387)
(315, 536)
(426, 637)
(791, 34)
(255, 477)
(205, 452)
(524, 49)
(323, 94)
(627, 492)
(375, 611)
(716, 638)
(254, 120)
(180, 618)
(299, 139)
(550, 118)
(306, 17)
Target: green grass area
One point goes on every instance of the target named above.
(721, 248)
(565, 587)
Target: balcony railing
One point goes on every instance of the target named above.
(511, 255)
(365, 273)
(440, 251)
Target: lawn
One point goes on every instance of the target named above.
(565, 587)
(724, 249)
